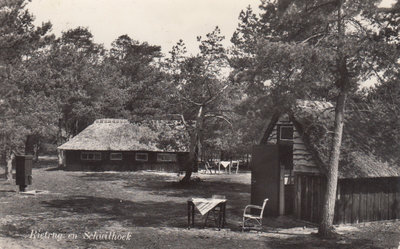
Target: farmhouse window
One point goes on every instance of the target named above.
(90, 156)
(115, 156)
(286, 132)
(166, 157)
(144, 157)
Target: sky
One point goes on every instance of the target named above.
(158, 22)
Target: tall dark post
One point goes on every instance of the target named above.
(23, 170)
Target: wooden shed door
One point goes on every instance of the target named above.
(265, 177)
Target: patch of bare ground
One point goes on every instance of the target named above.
(151, 208)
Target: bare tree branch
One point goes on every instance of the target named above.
(312, 37)
(216, 95)
(188, 100)
(219, 117)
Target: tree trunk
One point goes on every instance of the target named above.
(29, 145)
(10, 157)
(328, 211)
(326, 228)
(194, 146)
(36, 149)
(60, 156)
(191, 160)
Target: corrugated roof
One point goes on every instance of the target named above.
(121, 135)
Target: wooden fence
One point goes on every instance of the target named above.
(361, 200)
(357, 200)
(309, 197)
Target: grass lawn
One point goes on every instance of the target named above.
(149, 209)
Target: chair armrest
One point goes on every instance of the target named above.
(251, 206)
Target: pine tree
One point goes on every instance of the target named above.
(317, 49)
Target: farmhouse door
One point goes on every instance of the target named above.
(265, 177)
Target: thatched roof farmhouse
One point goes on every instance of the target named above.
(121, 145)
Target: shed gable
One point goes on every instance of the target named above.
(303, 160)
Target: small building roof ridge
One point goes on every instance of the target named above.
(111, 120)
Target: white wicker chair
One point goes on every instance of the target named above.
(247, 216)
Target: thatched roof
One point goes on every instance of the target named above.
(121, 135)
(314, 120)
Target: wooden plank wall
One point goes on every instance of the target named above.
(302, 158)
(309, 194)
(362, 200)
(358, 200)
(273, 137)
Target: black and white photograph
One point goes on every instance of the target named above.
(199, 124)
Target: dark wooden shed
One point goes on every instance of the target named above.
(289, 165)
(117, 144)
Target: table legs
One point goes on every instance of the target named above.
(223, 208)
(192, 214)
(219, 218)
(221, 215)
(190, 210)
